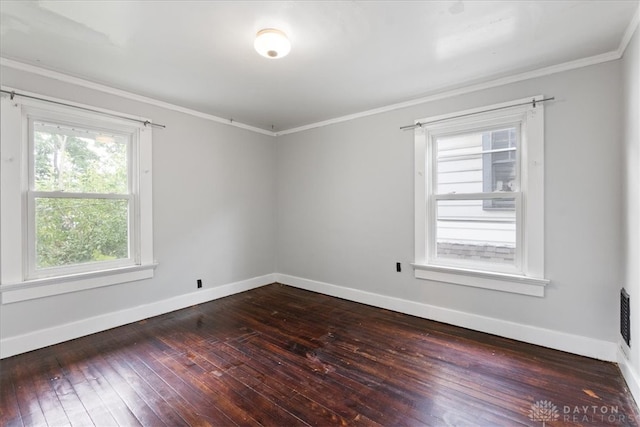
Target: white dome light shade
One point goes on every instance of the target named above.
(272, 43)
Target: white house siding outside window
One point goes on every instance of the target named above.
(479, 198)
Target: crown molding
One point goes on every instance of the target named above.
(10, 63)
(631, 28)
(541, 72)
(468, 88)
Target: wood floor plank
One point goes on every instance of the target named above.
(177, 395)
(9, 408)
(139, 385)
(104, 389)
(280, 356)
(49, 401)
(223, 378)
(71, 404)
(26, 396)
(192, 390)
(73, 364)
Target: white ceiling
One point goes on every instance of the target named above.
(347, 56)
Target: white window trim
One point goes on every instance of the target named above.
(14, 282)
(528, 277)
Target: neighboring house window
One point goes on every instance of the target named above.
(479, 199)
(499, 154)
(76, 200)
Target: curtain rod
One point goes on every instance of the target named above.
(13, 94)
(532, 102)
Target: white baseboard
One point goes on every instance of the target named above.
(57, 334)
(630, 375)
(576, 344)
(563, 341)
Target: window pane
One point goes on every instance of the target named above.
(76, 231)
(476, 162)
(466, 231)
(79, 160)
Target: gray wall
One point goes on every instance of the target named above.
(631, 214)
(345, 205)
(336, 203)
(214, 211)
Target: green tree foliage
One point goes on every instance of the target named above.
(76, 230)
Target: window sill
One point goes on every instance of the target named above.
(482, 279)
(40, 288)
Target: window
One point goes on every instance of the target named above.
(480, 229)
(76, 200)
(79, 198)
(479, 201)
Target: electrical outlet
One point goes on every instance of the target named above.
(199, 283)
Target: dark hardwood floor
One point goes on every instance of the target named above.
(280, 356)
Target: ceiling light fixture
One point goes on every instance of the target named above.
(272, 43)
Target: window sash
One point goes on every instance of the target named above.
(133, 232)
(435, 158)
(433, 197)
(432, 257)
(35, 273)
